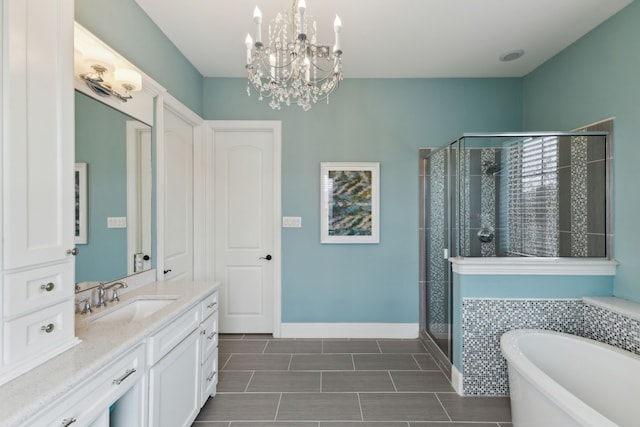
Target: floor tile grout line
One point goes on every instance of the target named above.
(360, 406)
(275, 417)
(379, 346)
(443, 408)
(392, 381)
(290, 362)
(249, 382)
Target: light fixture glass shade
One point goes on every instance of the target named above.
(97, 56)
(129, 79)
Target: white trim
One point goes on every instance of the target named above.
(617, 305)
(349, 330)
(457, 380)
(534, 266)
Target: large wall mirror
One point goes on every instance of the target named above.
(116, 150)
(114, 154)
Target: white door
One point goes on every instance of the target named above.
(246, 218)
(178, 198)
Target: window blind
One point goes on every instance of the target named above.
(532, 197)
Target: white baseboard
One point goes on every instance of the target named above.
(349, 330)
(456, 381)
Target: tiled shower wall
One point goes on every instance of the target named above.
(485, 320)
(581, 200)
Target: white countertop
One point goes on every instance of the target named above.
(101, 343)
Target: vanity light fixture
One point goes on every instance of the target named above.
(104, 79)
(289, 67)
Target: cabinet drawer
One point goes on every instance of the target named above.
(34, 289)
(32, 334)
(162, 342)
(210, 305)
(209, 336)
(209, 380)
(89, 403)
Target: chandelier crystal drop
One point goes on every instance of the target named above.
(291, 68)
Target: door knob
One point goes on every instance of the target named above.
(268, 257)
(167, 271)
(73, 251)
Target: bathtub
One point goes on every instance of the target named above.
(559, 380)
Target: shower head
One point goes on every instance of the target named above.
(491, 168)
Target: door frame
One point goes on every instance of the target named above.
(208, 157)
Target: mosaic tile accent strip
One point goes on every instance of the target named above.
(579, 239)
(437, 268)
(485, 320)
(611, 328)
(465, 221)
(488, 198)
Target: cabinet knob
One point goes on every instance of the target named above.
(48, 328)
(73, 251)
(48, 287)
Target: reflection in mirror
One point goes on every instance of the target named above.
(117, 150)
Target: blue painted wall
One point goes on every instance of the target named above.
(100, 142)
(382, 121)
(124, 26)
(596, 78)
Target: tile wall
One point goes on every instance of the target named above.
(485, 320)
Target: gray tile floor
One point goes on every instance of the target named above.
(266, 382)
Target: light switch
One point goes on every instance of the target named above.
(291, 221)
(117, 222)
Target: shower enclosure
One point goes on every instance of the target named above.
(508, 195)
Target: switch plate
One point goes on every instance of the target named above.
(291, 222)
(117, 222)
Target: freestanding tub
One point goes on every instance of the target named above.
(559, 380)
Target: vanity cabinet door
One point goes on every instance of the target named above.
(174, 385)
(38, 132)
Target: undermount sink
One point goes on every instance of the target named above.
(134, 310)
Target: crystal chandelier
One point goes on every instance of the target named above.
(291, 68)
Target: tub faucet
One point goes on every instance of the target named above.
(114, 290)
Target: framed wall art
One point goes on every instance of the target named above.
(81, 203)
(350, 202)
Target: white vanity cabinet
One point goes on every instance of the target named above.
(37, 152)
(209, 348)
(184, 375)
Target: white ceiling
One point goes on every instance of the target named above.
(391, 38)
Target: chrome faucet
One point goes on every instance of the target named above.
(114, 290)
(101, 293)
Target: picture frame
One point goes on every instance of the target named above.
(350, 202)
(81, 203)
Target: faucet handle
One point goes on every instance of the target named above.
(114, 295)
(86, 305)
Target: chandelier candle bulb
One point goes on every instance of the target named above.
(249, 43)
(257, 18)
(302, 6)
(337, 27)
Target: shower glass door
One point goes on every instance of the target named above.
(439, 165)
